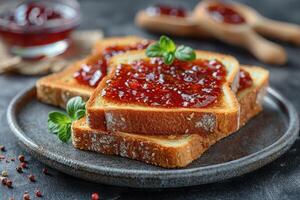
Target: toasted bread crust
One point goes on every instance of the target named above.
(162, 121)
(134, 146)
(58, 96)
(140, 148)
(58, 88)
(102, 44)
(251, 102)
(154, 122)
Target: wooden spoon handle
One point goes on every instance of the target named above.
(280, 30)
(263, 49)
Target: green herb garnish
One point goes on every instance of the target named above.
(59, 123)
(166, 49)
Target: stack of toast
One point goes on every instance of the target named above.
(163, 135)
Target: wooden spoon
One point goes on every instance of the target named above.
(271, 28)
(177, 26)
(239, 34)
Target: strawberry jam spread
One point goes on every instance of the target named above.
(91, 74)
(225, 14)
(245, 80)
(167, 10)
(150, 82)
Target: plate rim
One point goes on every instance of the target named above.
(278, 147)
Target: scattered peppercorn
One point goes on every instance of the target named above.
(95, 196)
(2, 148)
(9, 183)
(45, 171)
(11, 198)
(13, 159)
(26, 196)
(3, 180)
(19, 169)
(31, 178)
(38, 193)
(21, 158)
(23, 165)
(4, 173)
(2, 157)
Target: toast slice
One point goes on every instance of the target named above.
(116, 41)
(58, 88)
(250, 99)
(168, 151)
(131, 118)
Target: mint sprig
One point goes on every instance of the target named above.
(59, 123)
(167, 49)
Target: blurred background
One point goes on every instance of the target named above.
(278, 180)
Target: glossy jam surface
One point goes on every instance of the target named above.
(225, 14)
(92, 74)
(167, 10)
(37, 23)
(34, 14)
(151, 82)
(245, 80)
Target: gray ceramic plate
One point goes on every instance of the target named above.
(262, 140)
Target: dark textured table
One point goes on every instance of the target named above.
(278, 180)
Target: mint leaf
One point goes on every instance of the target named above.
(185, 53)
(64, 133)
(73, 105)
(60, 123)
(58, 118)
(154, 50)
(57, 123)
(166, 44)
(52, 127)
(168, 58)
(79, 114)
(166, 49)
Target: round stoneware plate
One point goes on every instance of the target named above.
(262, 140)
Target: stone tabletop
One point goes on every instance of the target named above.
(278, 180)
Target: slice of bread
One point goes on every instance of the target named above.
(58, 88)
(168, 151)
(131, 118)
(112, 41)
(251, 98)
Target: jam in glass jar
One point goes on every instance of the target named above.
(33, 29)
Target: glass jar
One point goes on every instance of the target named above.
(33, 29)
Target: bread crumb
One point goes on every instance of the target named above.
(207, 122)
(190, 117)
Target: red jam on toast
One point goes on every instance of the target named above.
(194, 84)
(245, 80)
(92, 74)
